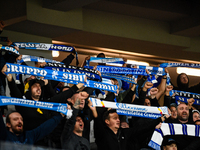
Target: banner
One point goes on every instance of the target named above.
(58, 107)
(130, 109)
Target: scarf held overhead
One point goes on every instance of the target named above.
(26, 58)
(44, 46)
(130, 109)
(184, 96)
(59, 76)
(176, 64)
(172, 129)
(58, 107)
(92, 74)
(9, 49)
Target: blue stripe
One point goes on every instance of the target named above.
(184, 128)
(171, 128)
(154, 145)
(196, 130)
(160, 131)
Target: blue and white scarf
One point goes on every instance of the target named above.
(26, 58)
(9, 49)
(177, 64)
(58, 107)
(58, 76)
(172, 129)
(44, 46)
(102, 86)
(119, 70)
(90, 73)
(120, 77)
(105, 60)
(184, 96)
(152, 70)
(46, 73)
(130, 109)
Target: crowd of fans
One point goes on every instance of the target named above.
(45, 128)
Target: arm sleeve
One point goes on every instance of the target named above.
(99, 128)
(142, 126)
(67, 61)
(128, 97)
(195, 88)
(2, 128)
(154, 102)
(167, 101)
(69, 126)
(63, 96)
(48, 91)
(142, 96)
(45, 129)
(14, 91)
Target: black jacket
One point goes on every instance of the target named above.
(71, 141)
(29, 137)
(125, 139)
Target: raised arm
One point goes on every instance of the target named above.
(69, 125)
(2, 128)
(14, 91)
(44, 129)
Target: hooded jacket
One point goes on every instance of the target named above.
(185, 87)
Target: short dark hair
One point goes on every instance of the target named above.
(33, 81)
(7, 116)
(106, 114)
(101, 54)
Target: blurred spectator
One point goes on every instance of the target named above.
(169, 144)
(195, 115)
(183, 84)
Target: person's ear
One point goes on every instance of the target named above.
(8, 125)
(164, 147)
(107, 121)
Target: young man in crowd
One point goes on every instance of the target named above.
(72, 136)
(109, 135)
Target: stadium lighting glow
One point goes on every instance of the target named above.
(188, 71)
(137, 63)
(55, 53)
